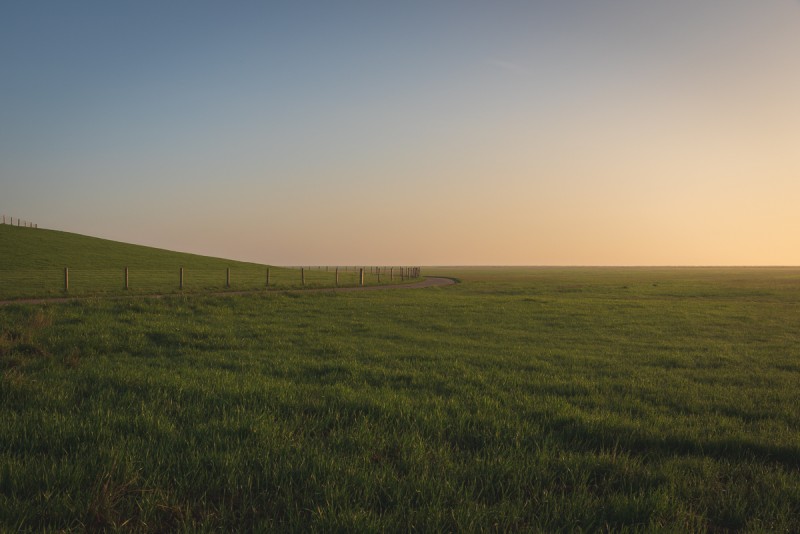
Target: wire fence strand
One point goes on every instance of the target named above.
(18, 283)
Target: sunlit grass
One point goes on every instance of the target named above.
(551, 399)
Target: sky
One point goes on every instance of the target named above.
(553, 132)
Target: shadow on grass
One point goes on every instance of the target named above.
(578, 436)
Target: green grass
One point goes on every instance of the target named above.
(33, 262)
(520, 399)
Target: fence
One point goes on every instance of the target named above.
(20, 222)
(16, 283)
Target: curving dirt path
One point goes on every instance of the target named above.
(429, 281)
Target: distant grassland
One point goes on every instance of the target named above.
(520, 399)
(33, 262)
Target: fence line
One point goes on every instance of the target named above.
(86, 281)
(18, 282)
(7, 219)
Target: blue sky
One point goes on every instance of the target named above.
(561, 132)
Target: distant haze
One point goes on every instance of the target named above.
(602, 132)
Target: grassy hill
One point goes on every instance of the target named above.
(33, 262)
(28, 248)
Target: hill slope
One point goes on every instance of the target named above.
(28, 248)
(32, 263)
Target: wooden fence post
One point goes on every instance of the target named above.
(379, 274)
(228, 277)
(303, 276)
(126, 278)
(181, 279)
(361, 276)
(267, 276)
(66, 279)
(337, 276)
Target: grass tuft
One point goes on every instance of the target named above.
(113, 503)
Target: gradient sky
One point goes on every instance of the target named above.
(561, 132)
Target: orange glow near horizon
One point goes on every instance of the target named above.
(614, 133)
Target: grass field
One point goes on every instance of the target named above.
(520, 399)
(33, 262)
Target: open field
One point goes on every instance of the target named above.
(553, 399)
(33, 262)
